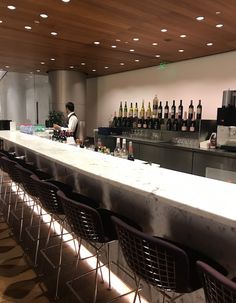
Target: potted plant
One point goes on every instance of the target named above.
(55, 117)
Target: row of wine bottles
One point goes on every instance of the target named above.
(157, 110)
(122, 152)
(61, 135)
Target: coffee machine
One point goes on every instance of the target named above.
(226, 121)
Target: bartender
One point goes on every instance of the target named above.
(72, 120)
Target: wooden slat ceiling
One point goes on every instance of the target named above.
(79, 23)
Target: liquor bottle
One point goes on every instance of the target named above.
(175, 124)
(117, 149)
(130, 151)
(125, 110)
(168, 123)
(192, 124)
(150, 122)
(140, 122)
(144, 122)
(166, 111)
(180, 110)
(190, 110)
(173, 110)
(131, 110)
(142, 111)
(199, 111)
(148, 112)
(184, 123)
(160, 110)
(136, 110)
(156, 123)
(124, 152)
(155, 105)
(114, 122)
(121, 110)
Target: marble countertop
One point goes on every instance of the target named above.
(206, 197)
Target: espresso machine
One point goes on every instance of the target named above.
(226, 121)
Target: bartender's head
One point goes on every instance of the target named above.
(70, 107)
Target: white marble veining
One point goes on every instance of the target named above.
(206, 197)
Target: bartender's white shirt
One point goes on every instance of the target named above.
(72, 123)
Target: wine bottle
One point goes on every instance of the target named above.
(175, 124)
(155, 105)
(136, 110)
(130, 151)
(144, 122)
(190, 110)
(121, 110)
(114, 122)
(131, 110)
(148, 113)
(124, 152)
(140, 122)
(160, 110)
(168, 123)
(166, 111)
(192, 124)
(173, 110)
(184, 123)
(142, 111)
(156, 123)
(180, 110)
(199, 111)
(117, 150)
(125, 110)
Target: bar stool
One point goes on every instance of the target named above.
(159, 262)
(217, 287)
(93, 226)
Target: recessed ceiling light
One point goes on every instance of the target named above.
(42, 63)
(93, 70)
(82, 63)
(11, 7)
(36, 21)
(200, 18)
(96, 42)
(106, 67)
(131, 50)
(136, 60)
(114, 46)
(43, 16)
(72, 66)
(209, 44)
(28, 27)
(38, 70)
(219, 25)
(157, 56)
(53, 33)
(183, 36)
(136, 39)
(181, 50)
(154, 43)
(0, 21)
(163, 30)
(218, 13)
(126, 42)
(122, 63)
(7, 66)
(52, 59)
(118, 40)
(66, 1)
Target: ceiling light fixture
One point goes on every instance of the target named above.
(136, 60)
(183, 36)
(114, 46)
(154, 43)
(163, 30)
(28, 27)
(200, 18)
(93, 70)
(53, 33)
(52, 59)
(157, 56)
(219, 25)
(209, 44)
(7, 66)
(122, 63)
(36, 22)
(42, 63)
(136, 39)
(118, 40)
(0, 21)
(72, 66)
(66, 1)
(181, 50)
(11, 7)
(43, 16)
(126, 42)
(218, 13)
(96, 42)
(82, 63)
(106, 67)
(131, 50)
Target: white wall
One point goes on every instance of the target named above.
(19, 94)
(204, 78)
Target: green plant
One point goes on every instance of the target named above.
(56, 117)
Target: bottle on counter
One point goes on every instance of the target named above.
(160, 109)
(124, 152)
(173, 110)
(184, 123)
(168, 123)
(130, 151)
(199, 111)
(156, 123)
(166, 111)
(155, 105)
(180, 110)
(140, 122)
(117, 150)
(192, 124)
(190, 110)
(145, 122)
(175, 124)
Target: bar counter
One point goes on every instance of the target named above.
(193, 210)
